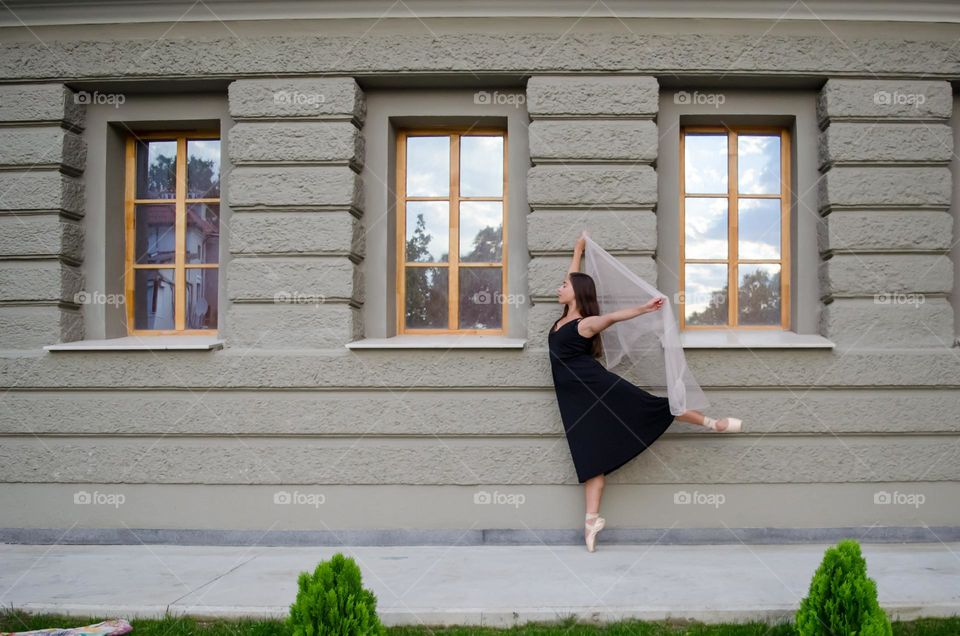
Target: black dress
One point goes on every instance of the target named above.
(608, 420)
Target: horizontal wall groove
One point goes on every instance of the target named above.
(41, 123)
(936, 163)
(292, 119)
(576, 118)
(354, 256)
(833, 207)
(824, 123)
(536, 253)
(402, 389)
(356, 167)
(355, 211)
(830, 253)
(374, 437)
(883, 293)
(600, 205)
(271, 301)
(694, 74)
(73, 216)
(41, 165)
(384, 391)
(580, 161)
(48, 256)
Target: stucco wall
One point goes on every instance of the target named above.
(403, 440)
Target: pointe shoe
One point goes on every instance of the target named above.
(733, 424)
(592, 530)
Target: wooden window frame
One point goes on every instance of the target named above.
(732, 195)
(453, 263)
(180, 202)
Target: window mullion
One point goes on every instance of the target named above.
(785, 196)
(683, 231)
(453, 278)
(180, 276)
(733, 213)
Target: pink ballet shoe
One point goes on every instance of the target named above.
(592, 530)
(733, 424)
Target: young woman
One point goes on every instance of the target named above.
(607, 420)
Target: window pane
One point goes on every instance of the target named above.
(203, 168)
(705, 164)
(481, 298)
(155, 230)
(706, 227)
(156, 169)
(481, 231)
(201, 297)
(426, 297)
(203, 233)
(428, 231)
(154, 299)
(758, 295)
(758, 164)
(481, 166)
(759, 228)
(705, 298)
(428, 166)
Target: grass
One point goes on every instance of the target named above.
(17, 620)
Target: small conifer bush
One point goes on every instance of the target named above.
(332, 602)
(842, 600)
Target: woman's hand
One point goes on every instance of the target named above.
(581, 244)
(653, 305)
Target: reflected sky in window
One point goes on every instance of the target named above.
(759, 228)
(481, 166)
(758, 164)
(706, 227)
(428, 166)
(705, 164)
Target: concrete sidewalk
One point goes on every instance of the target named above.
(490, 585)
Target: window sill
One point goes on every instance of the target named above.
(751, 339)
(142, 343)
(442, 341)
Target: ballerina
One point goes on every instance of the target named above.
(607, 420)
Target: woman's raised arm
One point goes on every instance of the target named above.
(592, 325)
(577, 254)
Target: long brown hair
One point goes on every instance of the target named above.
(585, 293)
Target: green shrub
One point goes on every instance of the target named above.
(842, 599)
(333, 602)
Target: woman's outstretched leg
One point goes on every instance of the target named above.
(696, 417)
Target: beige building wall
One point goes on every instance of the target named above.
(286, 434)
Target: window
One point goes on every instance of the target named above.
(451, 242)
(734, 227)
(172, 216)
